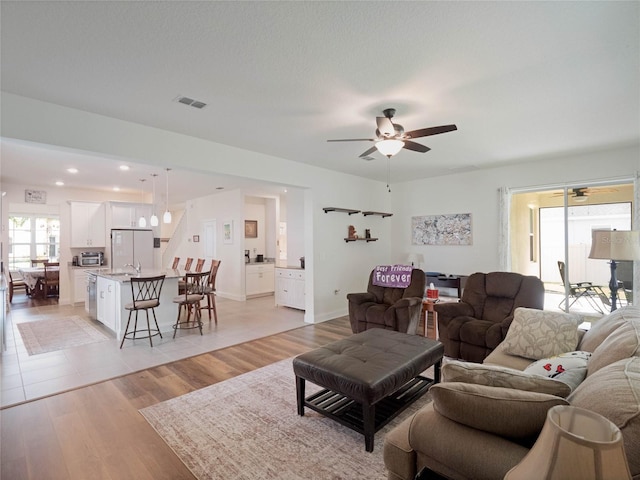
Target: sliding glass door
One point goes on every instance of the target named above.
(550, 237)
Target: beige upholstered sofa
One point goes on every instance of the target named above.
(485, 417)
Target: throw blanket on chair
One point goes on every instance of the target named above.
(397, 276)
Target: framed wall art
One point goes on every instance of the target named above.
(227, 232)
(250, 229)
(454, 229)
(35, 196)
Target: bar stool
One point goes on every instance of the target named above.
(145, 292)
(199, 265)
(187, 264)
(210, 290)
(190, 300)
(176, 261)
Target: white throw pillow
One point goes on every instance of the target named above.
(540, 334)
(569, 368)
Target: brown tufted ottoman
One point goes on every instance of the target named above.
(369, 378)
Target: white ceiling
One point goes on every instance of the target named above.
(521, 80)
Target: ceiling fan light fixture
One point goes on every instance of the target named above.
(389, 147)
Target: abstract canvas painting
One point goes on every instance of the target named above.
(454, 229)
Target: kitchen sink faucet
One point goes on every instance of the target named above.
(137, 268)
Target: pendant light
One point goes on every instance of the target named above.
(166, 218)
(153, 221)
(142, 222)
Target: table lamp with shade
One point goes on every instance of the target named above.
(415, 259)
(574, 444)
(615, 245)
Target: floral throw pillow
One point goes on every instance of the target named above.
(569, 368)
(540, 334)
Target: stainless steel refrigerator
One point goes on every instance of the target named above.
(130, 247)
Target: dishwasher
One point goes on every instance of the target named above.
(91, 300)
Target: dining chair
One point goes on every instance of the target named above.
(199, 265)
(176, 261)
(190, 301)
(187, 264)
(210, 290)
(37, 263)
(16, 284)
(145, 294)
(51, 280)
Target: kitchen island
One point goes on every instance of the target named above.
(114, 292)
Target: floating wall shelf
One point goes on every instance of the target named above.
(351, 211)
(347, 239)
(382, 214)
(345, 210)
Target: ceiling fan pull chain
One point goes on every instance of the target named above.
(388, 174)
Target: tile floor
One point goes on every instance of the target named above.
(24, 377)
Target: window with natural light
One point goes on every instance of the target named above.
(33, 237)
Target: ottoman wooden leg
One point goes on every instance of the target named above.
(369, 424)
(300, 395)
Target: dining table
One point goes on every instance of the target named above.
(33, 278)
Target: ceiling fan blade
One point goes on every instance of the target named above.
(385, 126)
(353, 140)
(416, 147)
(368, 152)
(425, 132)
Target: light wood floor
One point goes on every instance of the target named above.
(96, 432)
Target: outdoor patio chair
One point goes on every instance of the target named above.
(593, 294)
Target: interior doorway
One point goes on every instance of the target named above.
(550, 232)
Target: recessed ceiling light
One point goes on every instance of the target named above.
(124, 168)
(59, 183)
(116, 189)
(72, 170)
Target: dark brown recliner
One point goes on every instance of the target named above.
(472, 328)
(387, 307)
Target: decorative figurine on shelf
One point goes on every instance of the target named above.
(367, 233)
(352, 232)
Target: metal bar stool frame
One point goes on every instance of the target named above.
(145, 294)
(195, 284)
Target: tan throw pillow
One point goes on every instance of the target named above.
(540, 334)
(614, 392)
(623, 342)
(501, 411)
(496, 376)
(603, 327)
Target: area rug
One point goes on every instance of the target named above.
(248, 428)
(50, 335)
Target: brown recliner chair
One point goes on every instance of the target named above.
(387, 307)
(472, 328)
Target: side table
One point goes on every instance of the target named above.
(427, 307)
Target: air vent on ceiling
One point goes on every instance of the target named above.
(190, 101)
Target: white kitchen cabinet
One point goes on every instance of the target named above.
(260, 279)
(108, 293)
(88, 227)
(79, 289)
(290, 285)
(126, 215)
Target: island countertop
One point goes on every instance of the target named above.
(125, 275)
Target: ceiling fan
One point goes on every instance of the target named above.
(391, 137)
(580, 194)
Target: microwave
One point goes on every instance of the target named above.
(91, 259)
